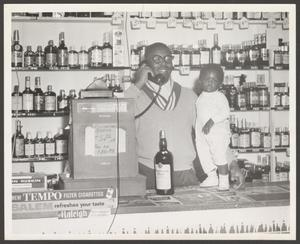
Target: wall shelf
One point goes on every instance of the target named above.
(41, 114)
(68, 70)
(61, 19)
(39, 159)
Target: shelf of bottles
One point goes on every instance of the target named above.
(39, 114)
(39, 159)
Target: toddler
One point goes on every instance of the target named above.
(212, 127)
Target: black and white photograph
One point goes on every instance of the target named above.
(150, 121)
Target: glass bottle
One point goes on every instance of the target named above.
(39, 57)
(233, 97)
(18, 141)
(95, 55)
(204, 53)
(285, 56)
(255, 135)
(195, 56)
(73, 58)
(285, 97)
(29, 57)
(51, 53)
(62, 101)
(16, 100)
(83, 58)
(277, 55)
(61, 143)
(134, 57)
(263, 96)
(266, 138)
(27, 98)
(236, 63)
(216, 51)
(113, 82)
(253, 55)
(38, 97)
(176, 56)
(163, 165)
(284, 137)
(241, 56)
(16, 51)
(185, 56)
(234, 142)
(107, 51)
(264, 52)
(50, 100)
(107, 81)
(49, 145)
(29, 146)
(117, 87)
(244, 138)
(247, 64)
(72, 96)
(277, 140)
(39, 145)
(62, 52)
(252, 95)
(229, 57)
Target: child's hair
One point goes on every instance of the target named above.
(212, 68)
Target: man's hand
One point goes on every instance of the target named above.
(206, 128)
(141, 76)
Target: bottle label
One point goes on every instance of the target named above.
(50, 148)
(234, 140)
(267, 141)
(244, 141)
(264, 54)
(241, 57)
(195, 59)
(28, 61)
(285, 59)
(96, 56)
(253, 55)
(29, 150)
(163, 176)
(229, 57)
(16, 103)
(50, 59)
(27, 101)
(83, 59)
(62, 104)
(277, 59)
(284, 140)
(73, 59)
(185, 59)
(277, 140)
(263, 99)
(253, 99)
(107, 56)
(61, 146)
(62, 57)
(16, 57)
(39, 148)
(39, 61)
(204, 57)
(285, 100)
(277, 100)
(19, 147)
(241, 101)
(176, 59)
(216, 55)
(255, 139)
(38, 102)
(50, 103)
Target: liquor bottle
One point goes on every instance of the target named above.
(39, 145)
(241, 56)
(255, 136)
(73, 58)
(163, 165)
(285, 137)
(285, 97)
(113, 82)
(38, 97)
(264, 52)
(265, 169)
(277, 139)
(277, 55)
(252, 97)
(236, 63)
(18, 141)
(95, 55)
(247, 63)
(285, 56)
(72, 95)
(107, 51)
(263, 96)
(234, 140)
(266, 138)
(134, 57)
(277, 96)
(176, 55)
(216, 51)
(62, 101)
(29, 57)
(229, 54)
(195, 56)
(204, 53)
(27, 98)
(50, 100)
(16, 100)
(83, 58)
(29, 146)
(62, 52)
(244, 138)
(233, 97)
(49, 145)
(185, 56)
(51, 53)
(16, 51)
(61, 143)
(39, 57)
(107, 81)
(117, 88)
(253, 55)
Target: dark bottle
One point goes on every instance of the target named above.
(29, 146)
(29, 57)
(223, 55)
(285, 56)
(163, 165)
(247, 64)
(83, 59)
(278, 55)
(241, 99)
(16, 51)
(62, 101)
(39, 57)
(72, 95)
(50, 100)
(134, 57)
(51, 55)
(61, 143)
(252, 98)
(241, 56)
(18, 141)
(216, 51)
(285, 137)
(277, 141)
(263, 96)
(107, 51)
(264, 52)
(16, 100)
(95, 55)
(31, 167)
(255, 135)
(204, 53)
(49, 145)
(38, 97)
(27, 98)
(253, 55)
(234, 140)
(236, 63)
(73, 58)
(229, 57)
(62, 52)
(266, 138)
(39, 145)
(117, 88)
(233, 97)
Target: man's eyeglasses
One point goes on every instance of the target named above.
(159, 59)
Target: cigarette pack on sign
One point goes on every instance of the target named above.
(118, 48)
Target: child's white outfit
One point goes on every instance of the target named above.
(212, 148)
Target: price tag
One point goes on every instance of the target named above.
(228, 24)
(285, 24)
(135, 23)
(151, 23)
(187, 23)
(271, 23)
(244, 23)
(211, 24)
(116, 19)
(184, 70)
(198, 24)
(171, 22)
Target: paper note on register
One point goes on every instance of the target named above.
(89, 141)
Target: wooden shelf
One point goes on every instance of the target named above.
(262, 109)
(61, 19)
(281, 108)
(68, 70)
(252, 150)
(41, 114)
(39, 159)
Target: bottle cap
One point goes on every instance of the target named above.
(28, 135)
(61, 36)
(37, 80)
(162, 134)
(49, 88)
(16, 35)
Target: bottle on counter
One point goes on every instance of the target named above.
(51, 55)
(39, 57)
(39, 145)
(29, 57)
(29, 146)
(107, 51)
(38, 97)
(27, 97)
(16, 51)
(16, 100)
(62, 52)
(61, 143)
(83, 58)
(62, 101)
(95, 55)
(18, 141)
(49, 145)
(73, 58)
(50, 100)
(216, 51)
(163, 165)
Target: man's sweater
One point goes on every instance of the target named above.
(177, 124)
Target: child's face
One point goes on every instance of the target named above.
(211, 82)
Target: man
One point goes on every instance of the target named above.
(173, 111)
